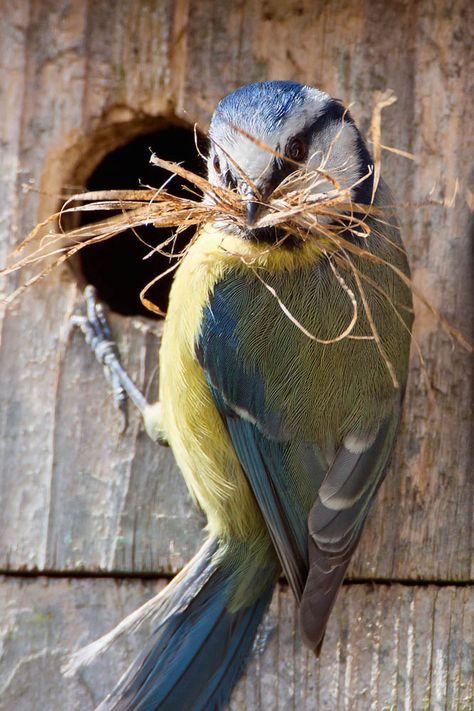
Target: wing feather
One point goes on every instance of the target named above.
(335, 523)
(314, 511)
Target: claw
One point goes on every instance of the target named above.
(98, 336)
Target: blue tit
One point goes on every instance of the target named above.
(283, 440)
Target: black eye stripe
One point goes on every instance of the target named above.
(335, 112)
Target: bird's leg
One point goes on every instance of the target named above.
(96, 331)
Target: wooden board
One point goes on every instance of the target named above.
(65, 478)
(81, 79)
(387, 647)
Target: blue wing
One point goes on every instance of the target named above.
(284, 475)
(314, 509)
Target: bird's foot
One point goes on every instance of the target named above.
(97, 333)
(96, 330)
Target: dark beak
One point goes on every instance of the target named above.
(259, 193)
(253, 202)
(255, 197)
(252, 209)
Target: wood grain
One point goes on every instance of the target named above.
(83, 79)
(79, 79)
(387, 647)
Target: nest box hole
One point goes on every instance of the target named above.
(117, 267)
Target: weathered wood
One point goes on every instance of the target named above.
(78, 79)
(387, 647)
(81, 79)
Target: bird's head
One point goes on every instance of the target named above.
(262, 132)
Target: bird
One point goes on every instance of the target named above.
(283, 440)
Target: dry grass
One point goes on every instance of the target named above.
(296, 207)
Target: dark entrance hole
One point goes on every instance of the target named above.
(117, 267)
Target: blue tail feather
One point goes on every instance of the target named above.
(199, 646)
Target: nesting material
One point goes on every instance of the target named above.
(293, 208)
(310, 205)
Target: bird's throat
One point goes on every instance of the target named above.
(273, 236)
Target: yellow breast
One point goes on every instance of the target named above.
(190, 421)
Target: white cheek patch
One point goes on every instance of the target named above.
(335, 151)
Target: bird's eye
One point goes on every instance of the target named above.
(296, 149)
(217, 164)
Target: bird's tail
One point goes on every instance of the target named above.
(199, 642)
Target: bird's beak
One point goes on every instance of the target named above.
(252, 209)
(253, 203)
(257, 194)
